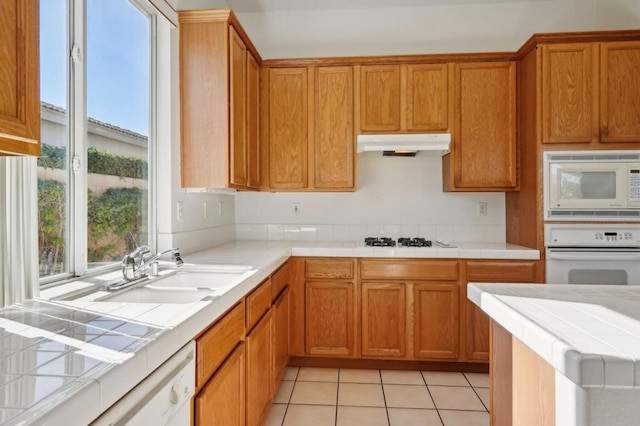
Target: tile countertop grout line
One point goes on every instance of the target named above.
(183, 325)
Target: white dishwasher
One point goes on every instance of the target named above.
(162, 398)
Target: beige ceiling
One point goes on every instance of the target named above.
(302, 5)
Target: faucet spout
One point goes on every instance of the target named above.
(135, 264)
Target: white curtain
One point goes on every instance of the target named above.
(18, 229)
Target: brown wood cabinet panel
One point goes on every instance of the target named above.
(436, 321)
(380, 98)
(484, 137)
(260, 390)
(330, 318)
(384, 315)
(253, 122)
(500, 386)
(569, 96)
(213, 346)
(329, 268)
(428, 97)
(280, 336)
(288, 128)
(409, 269)
(19, 78)
(258, 302)
(620, 92)
(334, 142)
(222, 401)
(279, 280)
(238, 84)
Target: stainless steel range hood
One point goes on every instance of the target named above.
(405, 144)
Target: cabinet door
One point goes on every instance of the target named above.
(428, 97)
(384, 320)
(334, 134)
(329, 318)
(569, 97)
(19, 78)
(477, 321)
(436, 321)
(253, 123)
(222, 401)
(288, 132)
(259, 370)
(620, 92)
(484, 139)
(238, 84)
(380, 98)
(280, 336)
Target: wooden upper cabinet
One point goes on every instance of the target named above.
(288, 128)
(19, 78)
(334, 141)
(404, 98)
(620, 92)
(569, 97)
(483, 152)
(428, 97)
(253, 122)
(380, 101)
(218, 101)
(238, 83)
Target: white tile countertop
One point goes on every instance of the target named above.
(60, 358)
(588, 333)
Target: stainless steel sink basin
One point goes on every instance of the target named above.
(146, 294)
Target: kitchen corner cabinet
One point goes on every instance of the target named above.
(19, 78)
(483, 149)
(404, 98)
(590, 91)
(310, 129)
(491, 271)
(219, 102)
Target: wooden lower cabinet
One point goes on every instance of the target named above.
(280, 336)
(436, 320)
(330, 318)
(221, 402)
(259, 374)
(384, 320)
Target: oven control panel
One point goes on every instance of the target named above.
(594, 235)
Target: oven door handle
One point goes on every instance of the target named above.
(593, 256)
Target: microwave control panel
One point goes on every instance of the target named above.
(634, 185)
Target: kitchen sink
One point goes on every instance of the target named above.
(146, 294)
(208, 280)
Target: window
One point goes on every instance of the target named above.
(94, 198)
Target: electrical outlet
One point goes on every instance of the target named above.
(296, 208)
(179, 210)
(482, 208)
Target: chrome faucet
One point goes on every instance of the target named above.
(135, 264)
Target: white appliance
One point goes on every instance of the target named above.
(592, 254)
(163, 398)
(592, 185)
(405, 144)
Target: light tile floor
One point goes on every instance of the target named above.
(345, 397)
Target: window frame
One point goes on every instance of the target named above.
(76, 201)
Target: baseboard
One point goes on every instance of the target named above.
(380, 364)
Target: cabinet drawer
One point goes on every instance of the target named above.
(409, 269)
(501, 271)
(258, 302)
(329, 268)
(279, 280)
(216, 343)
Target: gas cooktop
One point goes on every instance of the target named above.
(402, 242)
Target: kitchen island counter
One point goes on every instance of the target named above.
(587, 336)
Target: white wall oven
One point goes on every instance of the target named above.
(592, 254)
(592, 185)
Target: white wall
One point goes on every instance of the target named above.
(396, 196)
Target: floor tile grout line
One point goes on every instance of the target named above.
(384, 398)
(295, 380)
(424, 379)
(481, 401)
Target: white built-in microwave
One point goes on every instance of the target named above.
(592, 185)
